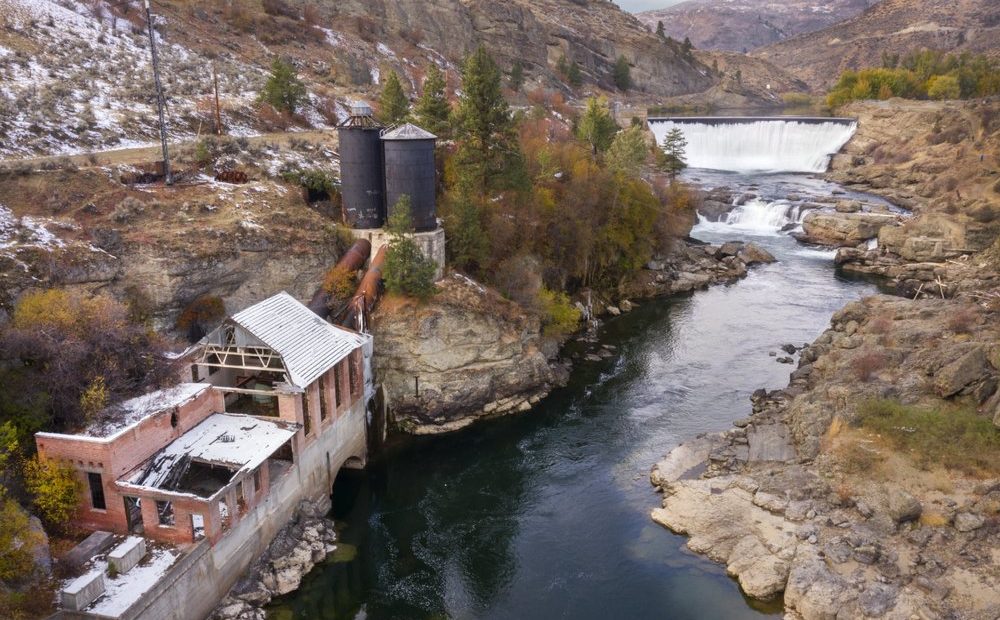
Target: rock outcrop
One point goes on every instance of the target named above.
(692, 266)
(301, 545)
(465, 354)
(795, 499)
(843, 229)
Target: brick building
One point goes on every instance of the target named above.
(276, 395)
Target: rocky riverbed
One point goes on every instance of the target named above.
(801, 499)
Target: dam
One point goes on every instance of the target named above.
(758, 144)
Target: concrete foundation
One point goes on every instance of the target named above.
(82, 591)
(432, 244)
(128, 554)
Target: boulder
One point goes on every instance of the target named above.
(968, 522)
(843, 229)
(902, 506)
(967, 369)
(848, 206)
(753, 254)
(729, 248)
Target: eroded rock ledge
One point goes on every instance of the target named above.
(300, 546)
(789, 505)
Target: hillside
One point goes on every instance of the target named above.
(744, 25)
(76, 77)
(891, 27)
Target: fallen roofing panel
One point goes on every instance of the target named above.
(238, 442)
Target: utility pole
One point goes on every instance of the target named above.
(160, 102)
(218, 112)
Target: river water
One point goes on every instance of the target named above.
(546, 514)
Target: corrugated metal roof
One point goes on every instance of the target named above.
(308, 345)
(408, 131)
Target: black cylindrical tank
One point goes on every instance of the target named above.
(409, 170)
(362, 180)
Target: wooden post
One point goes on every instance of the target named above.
(218, 112)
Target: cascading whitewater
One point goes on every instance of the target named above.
(759, 216)
(759, 144)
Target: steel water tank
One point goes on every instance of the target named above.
(362, 180)
(410, 170)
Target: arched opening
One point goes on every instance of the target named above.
(346, 490)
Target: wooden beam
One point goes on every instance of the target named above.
(233, 390)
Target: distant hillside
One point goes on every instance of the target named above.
(893, 27)
(75, 76)
(744, 25)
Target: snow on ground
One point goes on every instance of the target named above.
(119, 417)
(124, 590)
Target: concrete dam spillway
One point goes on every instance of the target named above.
(759, 144)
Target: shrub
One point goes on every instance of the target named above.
(943, 87)
(17, 542)
(952, 436)
(310, 15)
(623, 74)
(283, 91)
(866, 364)
(94, 399)
(559, 315)
(339, 283)
(54, 488)
(278, 8)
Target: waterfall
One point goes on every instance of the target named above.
(759, 144)
(758, 217)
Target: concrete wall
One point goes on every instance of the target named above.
(196, 584)
(431, 244)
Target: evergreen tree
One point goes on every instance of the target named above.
(407, 271)
(672, 159)
(623, 74)
(468, 247)
(433, 109)
(597, 127)
(660, 31)
(517, 76)
(489, 157)
(573, 74)
(394, 104)
(686, 47)
(284, 90)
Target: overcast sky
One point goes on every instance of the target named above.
(644, 5)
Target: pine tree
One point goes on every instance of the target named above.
(468, 246)
(489, 157)
(433, 109)
(407, 271)
(686, 47)
(573, 74)
(517, 76)
(660, 30)
(623, 74)
(673, 160)
(394, 104)
(596, 127)
(284, 90)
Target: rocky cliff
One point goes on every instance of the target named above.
(891, 27)
(942, 161)
(537, 33)
(744, 25)
(803, 498)
(467, 353)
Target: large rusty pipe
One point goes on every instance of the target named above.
(351, 261)
(367, 294)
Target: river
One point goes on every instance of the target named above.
(546, 514)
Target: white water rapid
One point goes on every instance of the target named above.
(757, 217)
(759, 144)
